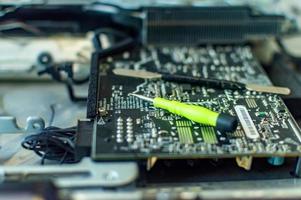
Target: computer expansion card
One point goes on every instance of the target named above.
(129, 128)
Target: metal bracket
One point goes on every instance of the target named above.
(8, 124)
(87, 173)
(297, 170)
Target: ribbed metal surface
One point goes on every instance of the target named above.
(198, 25)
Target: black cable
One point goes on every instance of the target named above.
(53, 143)
(108, 31)
(52, 114)
(55, 71)
(124, 43)
(67, 67)
(71, 93)
(122, 46)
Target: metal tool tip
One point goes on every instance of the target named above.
(141, 97)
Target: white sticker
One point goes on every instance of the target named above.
(246, 122)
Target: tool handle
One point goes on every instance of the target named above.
(222, 122)
(214, 83)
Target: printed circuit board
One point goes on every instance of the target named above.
(129, 128)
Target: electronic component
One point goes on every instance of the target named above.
(202, 115)
(133, 128)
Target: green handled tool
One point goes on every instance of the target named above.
(223, 122)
